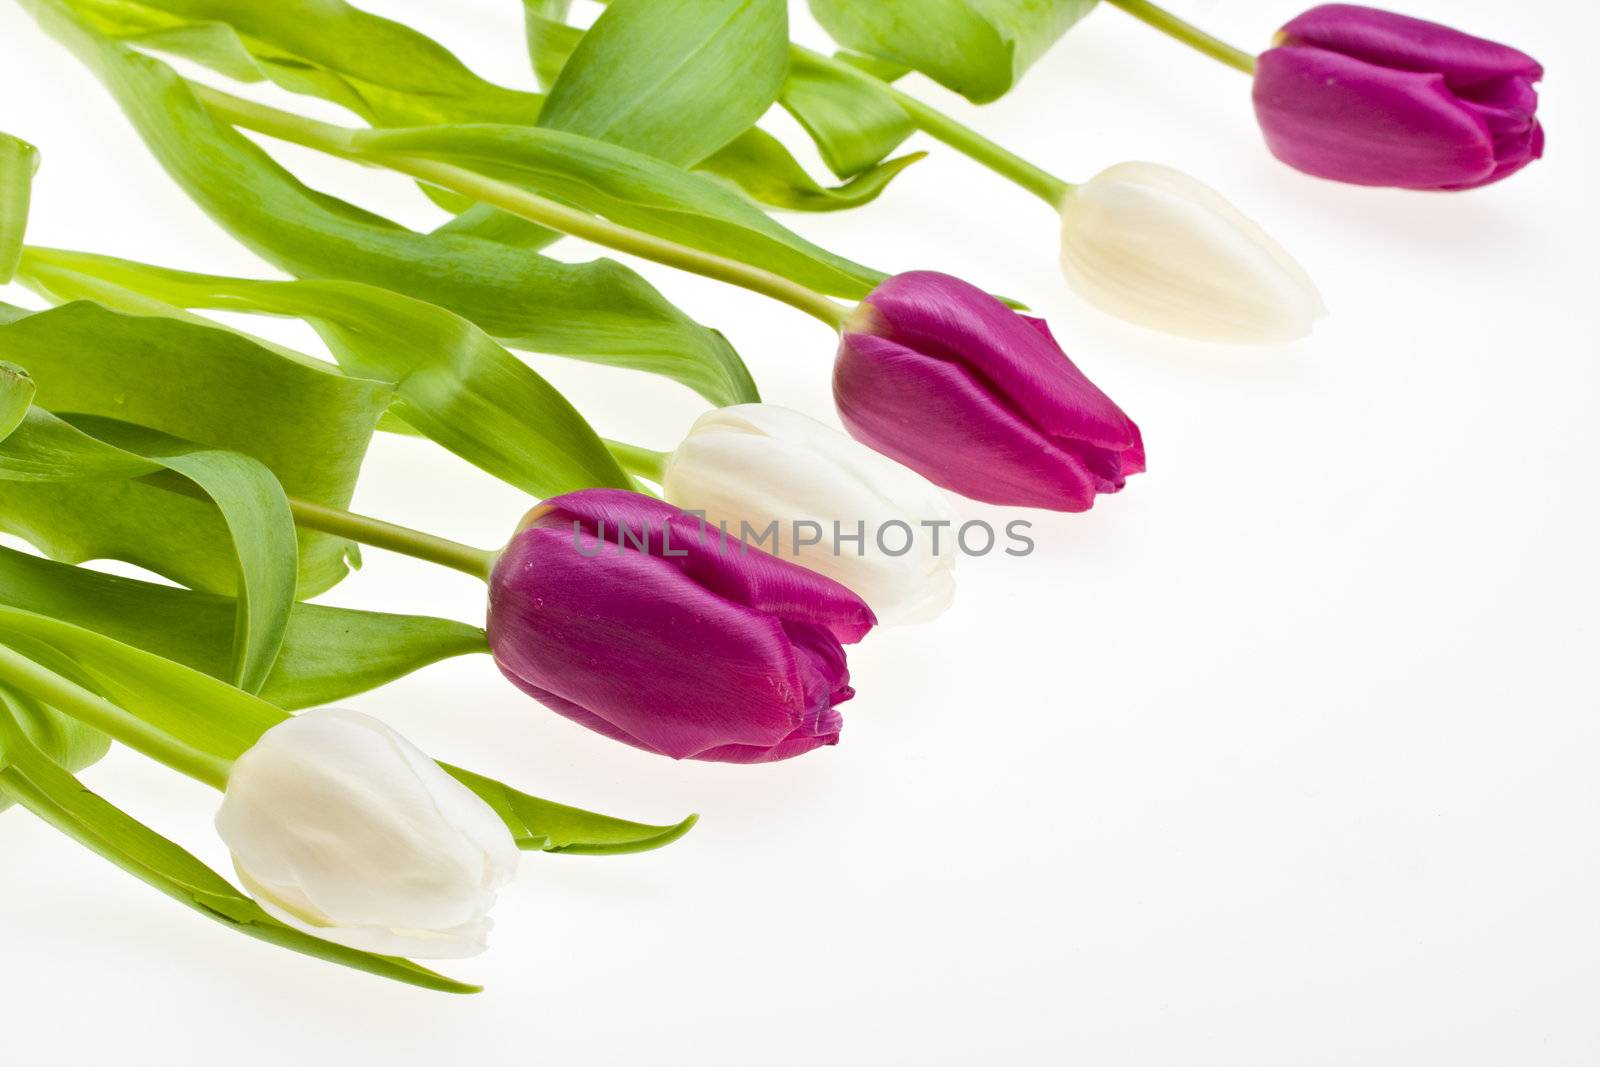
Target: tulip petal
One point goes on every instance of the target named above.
(1345, 119)
(935, 416)
(945, 318)
(1160, 249)
(674, 643)
(1400, 42)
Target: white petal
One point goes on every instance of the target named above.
(334, 818)
(756, 464)
(1152, 245)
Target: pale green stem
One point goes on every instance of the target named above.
(379, 534)
(345, 142)
(644, 462)
(67, 696)
(969, 142)
(1189, 34)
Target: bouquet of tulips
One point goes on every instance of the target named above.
(696, 604)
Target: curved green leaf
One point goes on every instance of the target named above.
(31, 777)
(453, 383)
(853, 127)
(18, 162)
(256, 511)
(598, 311)
(62, 739)
(630, 189)
(673, 79)
(16, 397)
(307, 422)
(328, 653)
(550, 38)
(979, 48)
(853, 124)
(250, 501)
(765, 171)
(207, 716)
(382, 70)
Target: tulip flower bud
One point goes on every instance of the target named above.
(943, 377)
(342, 828)
(642, 623)
(1154, 246)
(1373, 98)
(756, 467)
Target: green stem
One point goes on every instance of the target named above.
(65, 695)
(379, 534)
(345, 142)
(644, 462)
(1189, 34)
(969, 142)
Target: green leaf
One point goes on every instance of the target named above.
(308, 422)
(853, 124)
(200, 714)
(34, 779)
(765, 171)
(16, 397)
(598, 311)
(630, 189)
(550, 38)
(545, 826)
(674, 79)
(384, 71)
(256, 511)
(63, 739)
(328, 653)
(18, 162)
(453, 383)
(979, 48)
(853, 127)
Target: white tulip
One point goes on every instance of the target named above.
(342, 828)
(1154, 246)
(756, 464)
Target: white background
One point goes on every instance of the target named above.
(1286, 755)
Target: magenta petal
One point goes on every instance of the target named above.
(1373, 98)
(1341, 118)
(1388, 39)
(723, 655)
(946, 379)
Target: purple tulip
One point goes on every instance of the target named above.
(632, 618)
(1374, 98)
(946, 379)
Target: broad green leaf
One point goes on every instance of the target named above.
(550, 38)
(18, 162)
(63, 739)
(200, 714)
(853, 127)
(979, 48)
(384, 71)
(30, 777)
(47, 452)
(259, 523)
(453, 383)
(16, 396)
(44, 451)
(760, 165)
(598, 311)
(853, 124)
(630, 189)
(308, 422)
(674, 79)
(328, 653)
(381, 70)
